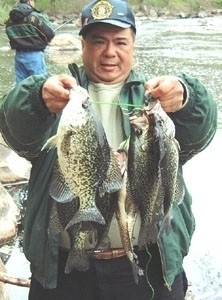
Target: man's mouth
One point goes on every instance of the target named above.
(109, 67)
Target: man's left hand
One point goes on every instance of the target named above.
(168, 90)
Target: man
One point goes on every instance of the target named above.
(30, 114)
(29, 32)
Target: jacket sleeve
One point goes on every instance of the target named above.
(44, 26)
(25, 122)
(196, 122)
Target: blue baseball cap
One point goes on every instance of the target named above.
(115, 12)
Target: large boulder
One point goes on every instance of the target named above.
(9, 217)
(65, 48)
(13, 171)
(13, 168)
(65, 41)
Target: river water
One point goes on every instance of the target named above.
(165, 47)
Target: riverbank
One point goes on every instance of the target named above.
(194, 46)
(180, 9)
(203, 265)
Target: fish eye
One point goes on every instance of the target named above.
(85, 103)
(138, 131)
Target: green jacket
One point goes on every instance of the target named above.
(28, 29)
(26, 124)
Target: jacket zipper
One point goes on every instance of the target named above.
(167, 285)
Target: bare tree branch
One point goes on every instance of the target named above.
(14, 280)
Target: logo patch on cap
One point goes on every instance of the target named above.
(102, 10)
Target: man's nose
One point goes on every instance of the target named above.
(110, 49)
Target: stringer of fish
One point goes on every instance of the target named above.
(154, 180)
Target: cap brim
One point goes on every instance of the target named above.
(112, 22)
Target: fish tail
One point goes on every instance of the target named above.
(148, 234)
(166, 223)
(137, 272)
(77, 260)
(87, 215)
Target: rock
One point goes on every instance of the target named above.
(67, 40)
(9, 216)
(190, 295)
(65, 48)
(12, 166)
(7, 176)
(3, 291)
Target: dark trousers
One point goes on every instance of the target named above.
(112, 280)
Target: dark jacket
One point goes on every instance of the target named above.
(26, 124)
(28, 28)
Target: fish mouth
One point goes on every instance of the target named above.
(86, 103)
(136, 112)
(139, 120)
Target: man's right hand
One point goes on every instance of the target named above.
(55, 91)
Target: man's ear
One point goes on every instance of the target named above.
(82, 43)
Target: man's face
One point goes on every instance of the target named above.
(108, 53)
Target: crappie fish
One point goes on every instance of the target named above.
(84, 236)
(126, 217)
(154, 181)
(84, 158)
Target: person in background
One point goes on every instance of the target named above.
(29, 32)
(30, 114)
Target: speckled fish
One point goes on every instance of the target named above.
(126, 217)
(84, 158)
(154, 181)
(83, 235)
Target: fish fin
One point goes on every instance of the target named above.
(137, 272)
(55, 226)
(78, 260)
(87, 215)
(114, 179)
(59, 189)
(92, 238)
(180, 188)
(166, 223)
(50, 143)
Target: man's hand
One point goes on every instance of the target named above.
(55, 91)
(168, 90)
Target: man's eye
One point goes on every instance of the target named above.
(122, 43)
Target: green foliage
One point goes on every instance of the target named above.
(60, 6)
(217, 3)
(69, 8)
(3, 16)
